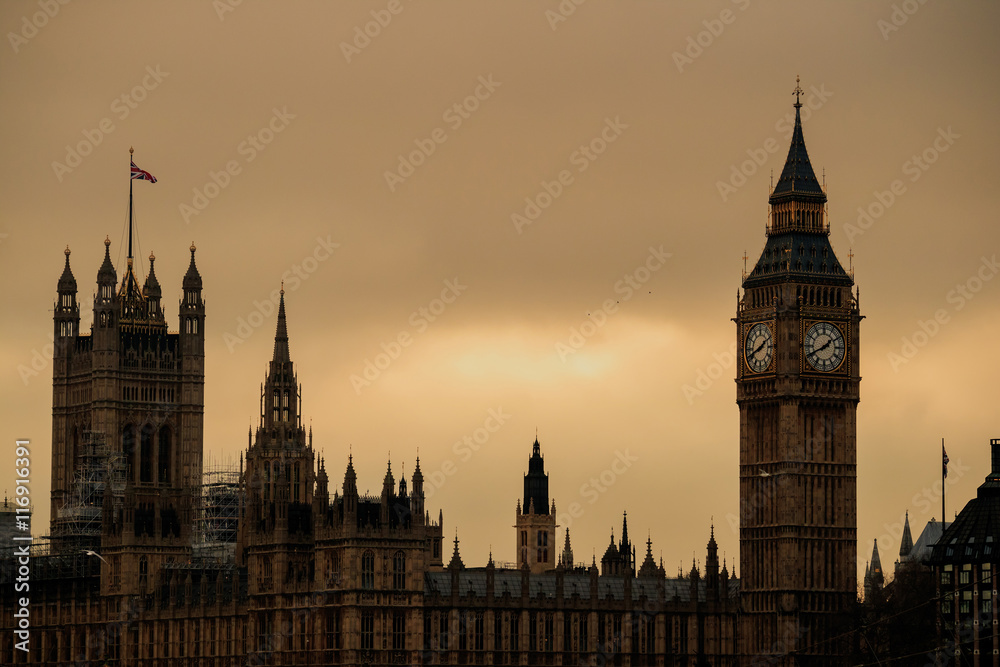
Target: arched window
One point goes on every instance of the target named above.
(143, 572)
(164, 461)
(368, 570)
(399, 571)
(128, 449)
(146, 454)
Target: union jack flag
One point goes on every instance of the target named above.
(139, 174)
(944, 461)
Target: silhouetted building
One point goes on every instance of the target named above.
(965, 559)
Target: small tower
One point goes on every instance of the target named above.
(535, 523)
(712, 567)
(567, 554)
(874, 579)
(906, 541)
(67, 311)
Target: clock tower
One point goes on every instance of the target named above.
(797, 387)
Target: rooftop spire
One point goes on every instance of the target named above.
(906, 542)
(281, 353)
(192, 279)
(66, 280)
(797, 180)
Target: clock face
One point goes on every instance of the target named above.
(759, 347)
(824, 346)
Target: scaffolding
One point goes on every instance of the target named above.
(219, 517)
(78, 521)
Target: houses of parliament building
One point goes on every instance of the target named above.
(150, 560)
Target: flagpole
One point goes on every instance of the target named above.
(130, 179)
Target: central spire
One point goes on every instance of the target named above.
(797, 180)
(281, 354)
(281, 397)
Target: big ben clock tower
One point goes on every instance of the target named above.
(797, 382)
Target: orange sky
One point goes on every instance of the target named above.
(372, 172)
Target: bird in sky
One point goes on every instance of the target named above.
(94, 553)
(764, 473)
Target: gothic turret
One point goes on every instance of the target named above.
(712, 567)
(67, 310)
(281, 395)
(152, 293)
(874, 579)
(106, 306)
(417, 497)
(906, 541)
(192, 312)
(536, 483)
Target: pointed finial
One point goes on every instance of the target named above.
(67, 252)
(107, 242)
(798, 91)
(193, 248)
(282, 288)
(131, 150)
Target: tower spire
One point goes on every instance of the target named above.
(797, 180)
(281, 354)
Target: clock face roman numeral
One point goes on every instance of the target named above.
(824, 346)
(758, 349)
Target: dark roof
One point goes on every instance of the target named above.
(974, 534)
(797, 180)
(798, 256)
(544, 586)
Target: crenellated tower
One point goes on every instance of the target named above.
(797, 387)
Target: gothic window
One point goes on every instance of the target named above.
(143, 572)
(164, 459)
(399, 631)
(399, 571)
(128, 449)
(477, 631)
(368, 570)
(267, 573)
(367, 630)
(443, 631)
(146, 454)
